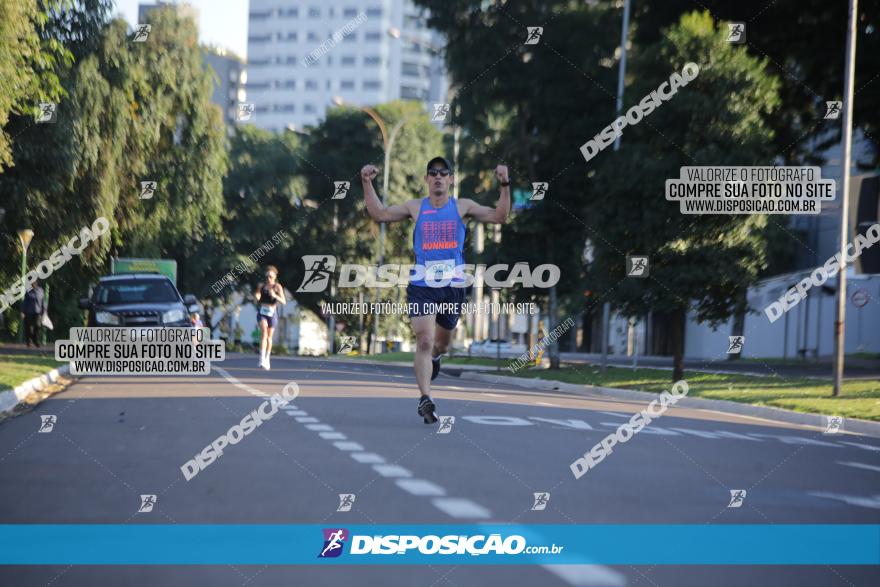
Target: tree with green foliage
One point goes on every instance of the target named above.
(531, 107)
(133, 112)
(31, 60)
(698, 263)
(336, 150)
(804, 43)
(262, 192)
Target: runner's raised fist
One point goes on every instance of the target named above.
(501, 173)
(369, 172)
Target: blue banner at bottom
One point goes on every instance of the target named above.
(488, 544)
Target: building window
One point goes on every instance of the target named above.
(291, 59)
(291, 36)
(372, 60)
(260, 15)
(374, 12)
(407, 93)
(310, 108)
(290, 83)
(285, 108)
(314, 12)
(347, 60)
(312, 36)
(350, 12)
(311, 84)
(373, 36)
(261, 109)
(413, 22)
(258, 86)
(372, 85)
(411, 69)
(291, 12)
(259, 38)
(346, 84)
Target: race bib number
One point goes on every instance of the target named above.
(267, 311)
(440, 270)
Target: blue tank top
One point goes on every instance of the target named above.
(438, 243)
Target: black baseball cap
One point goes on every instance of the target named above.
(442, 160)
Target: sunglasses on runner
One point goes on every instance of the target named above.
(436, 172)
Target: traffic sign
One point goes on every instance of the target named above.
(860, 298)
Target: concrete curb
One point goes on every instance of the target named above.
(450, 366)
(817, 421)
(11, 398)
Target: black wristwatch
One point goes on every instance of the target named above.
(504, 185)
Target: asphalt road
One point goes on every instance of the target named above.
(354, 429)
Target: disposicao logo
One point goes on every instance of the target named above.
(334, 541)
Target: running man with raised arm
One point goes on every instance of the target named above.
(438, 243)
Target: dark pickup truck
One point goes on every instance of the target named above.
(138, 299)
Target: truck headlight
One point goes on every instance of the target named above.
(172, 316)
(106, 318)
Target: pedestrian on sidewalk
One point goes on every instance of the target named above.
(33, 307)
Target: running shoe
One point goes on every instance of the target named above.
(435, 367)
(426, 410)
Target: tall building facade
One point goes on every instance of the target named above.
(306, 55)
(229, 89)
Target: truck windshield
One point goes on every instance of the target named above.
(133, 291)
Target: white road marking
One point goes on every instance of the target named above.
(656, 430)
(306, 420)
(459, 507)
(225, 374)
(420, 487)
(588, 575)
(498, 420)
(863, 446)
(855, 465)
(348, 445)
(576, 424)
(872, 501)
(618, 414)
(295, 412)
(700, 433)
(333, 436)
(319, 427)
(735, 436)
(367, 457)
(392, 471)
(289, 407)
(797, 440)
(546, 404)
(494, 394)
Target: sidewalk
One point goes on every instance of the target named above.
(853, 368)
(815, 421)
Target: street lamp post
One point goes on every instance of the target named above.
(621, 72)
(388, 144)
(840, 315)
(25, 235)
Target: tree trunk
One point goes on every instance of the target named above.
(739, 321)
(678, 317)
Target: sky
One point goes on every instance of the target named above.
(221, 22)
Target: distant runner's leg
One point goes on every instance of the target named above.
(264, 327)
